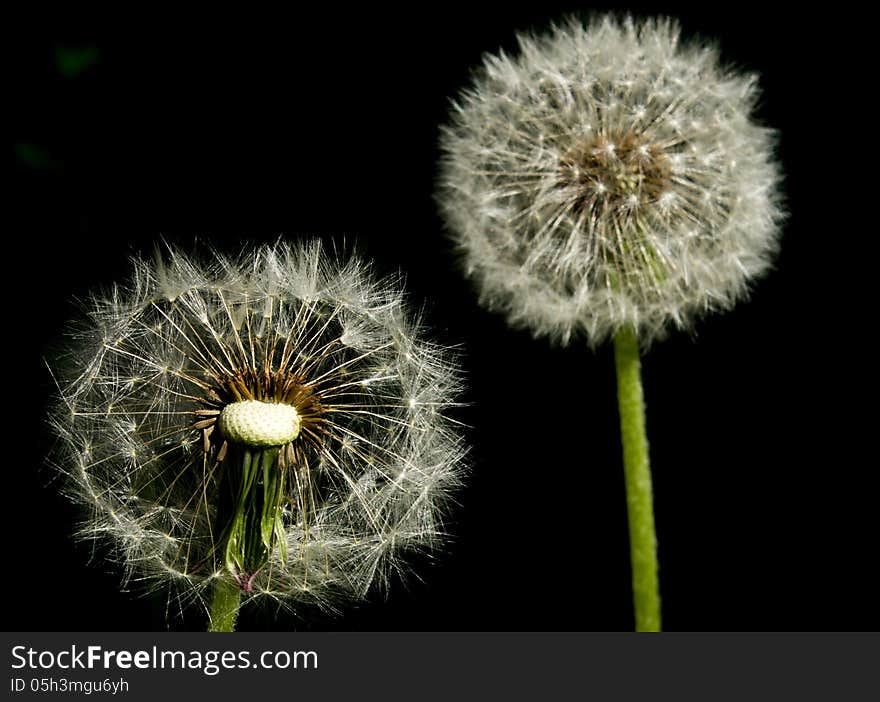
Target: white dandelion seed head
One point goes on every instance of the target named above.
(609, 175)
(284, 352)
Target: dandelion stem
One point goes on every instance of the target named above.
(224, 608)
(637, 473)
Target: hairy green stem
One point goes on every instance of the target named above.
(224, 607)
(637, 473)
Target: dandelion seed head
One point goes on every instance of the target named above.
(302, 370)
(610, 175)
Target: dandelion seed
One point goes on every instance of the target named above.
(243, 424)
(610, 182)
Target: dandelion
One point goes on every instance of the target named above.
(268, 425)
(609, 181)
(609, 177)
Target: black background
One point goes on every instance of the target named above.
(235, 129)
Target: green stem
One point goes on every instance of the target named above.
(224, 607)
(637, 473)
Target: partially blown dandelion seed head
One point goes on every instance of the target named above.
(284, 367)
(607, 176)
